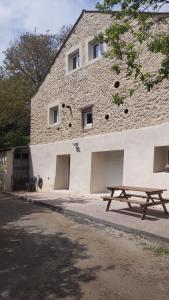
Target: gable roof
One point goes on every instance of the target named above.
(62, 46)
(74, 26)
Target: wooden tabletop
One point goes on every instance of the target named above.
(135, 188)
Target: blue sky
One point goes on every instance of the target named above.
(18, 16)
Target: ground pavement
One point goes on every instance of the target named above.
(119, 216)
(47, 256)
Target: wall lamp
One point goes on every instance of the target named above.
(76, 145)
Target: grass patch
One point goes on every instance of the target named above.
(159, 250)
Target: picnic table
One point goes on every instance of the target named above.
(149, 197)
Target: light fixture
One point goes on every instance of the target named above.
(76, 145)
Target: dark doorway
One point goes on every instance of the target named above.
(20, 168)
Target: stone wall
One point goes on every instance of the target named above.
(93, 84)
(3, 170)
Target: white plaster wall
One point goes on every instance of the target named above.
(80, 170)
(138, 146)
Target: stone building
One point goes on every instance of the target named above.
(79, 139)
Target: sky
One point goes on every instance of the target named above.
(19, 16)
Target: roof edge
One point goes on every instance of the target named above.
(73, 27)
(116, 11)
(58, 52)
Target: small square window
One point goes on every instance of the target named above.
(87, 118)
(54, 115)
(95, 50)
(73, 61)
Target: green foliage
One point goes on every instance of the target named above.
(160, 44)
(159, 250)
(127, 37)
(130, 5)
(15, 93)
(14, 138)
(32, 54)
(26, 63)
(117, 99)
(131, 92)
(116, 68)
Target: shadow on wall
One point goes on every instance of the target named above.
(36, 182)
(106, 170)
(39, 265)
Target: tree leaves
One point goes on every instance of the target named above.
(26, 63)
(32, 54)
(129, 35)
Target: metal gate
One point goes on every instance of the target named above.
(20, 168)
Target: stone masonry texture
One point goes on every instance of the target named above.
(93, 83)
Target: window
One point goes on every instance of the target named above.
(53, 115)
(87, 118)
(73, 61)
(95, 50)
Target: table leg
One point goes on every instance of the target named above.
(125, 195)
(163, 204)
(109, 202)
(145, 207)
(108, 205)
(112, 193)
(144, 212)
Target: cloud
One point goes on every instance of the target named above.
(18, 16)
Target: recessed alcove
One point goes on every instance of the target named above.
(161, 158)
(106, 169)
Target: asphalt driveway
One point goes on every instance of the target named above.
(44, 255)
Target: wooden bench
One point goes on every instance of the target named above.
(129, 201)
(145, 197)
(122, 199)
